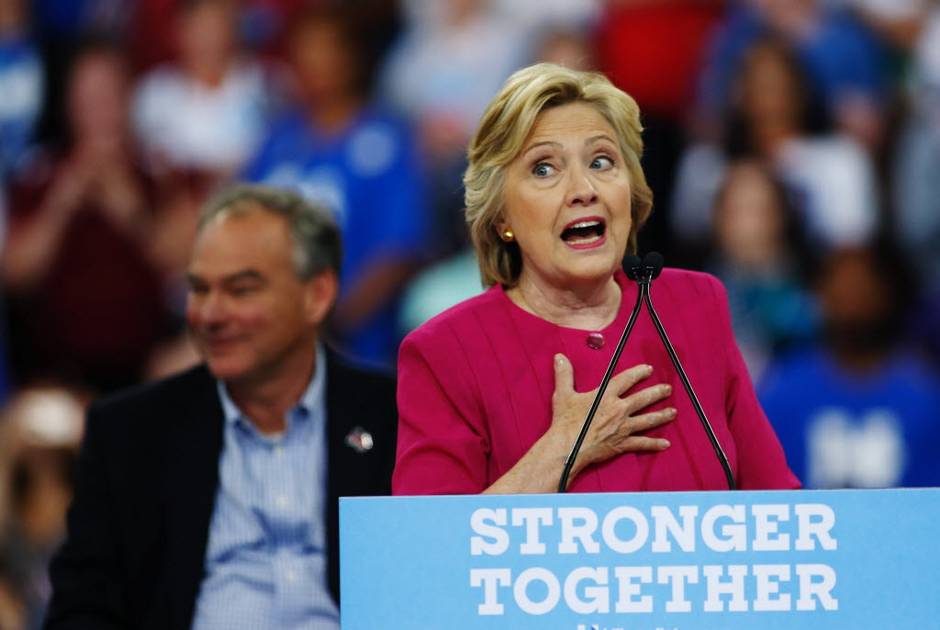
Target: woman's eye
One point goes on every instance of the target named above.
(601, 162)
(542, 169)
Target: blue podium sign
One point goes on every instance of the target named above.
(648, 561)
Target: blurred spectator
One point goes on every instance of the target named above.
(917, 160)
(5, 385)
(61, 27)
(844, 61)
(338, 149)
(450, 61)
(74, 19)
(41, 431)
(12, 607)
(773, 118)
(86, 300)
(153, 26)
(440, 286)
(654, 49)
(454, 56)
(758, 255)
(566, 48)
(20, 84)
(457, 277)
(206, 114)
(857, 410)
(896, 21)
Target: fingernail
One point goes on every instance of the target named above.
(559, 359)
(665, 443)
(648, 369)
(671, 412)
(667, 389)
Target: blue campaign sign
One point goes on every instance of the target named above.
(648, 561)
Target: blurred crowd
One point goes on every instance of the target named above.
(793, 147)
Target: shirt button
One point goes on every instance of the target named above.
(279, 451)
(281, 501)
(291, 575)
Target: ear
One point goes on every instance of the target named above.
(320, 294)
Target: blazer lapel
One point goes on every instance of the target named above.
(337, 410)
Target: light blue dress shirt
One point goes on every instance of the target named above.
(266, 561)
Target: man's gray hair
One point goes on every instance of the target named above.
(317, 244)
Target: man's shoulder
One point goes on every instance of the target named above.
(369, 380)
(187, 387)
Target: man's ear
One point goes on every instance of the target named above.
(320, 294)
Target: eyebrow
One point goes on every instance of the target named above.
(247, 274)
(553, 144)
(544, 143)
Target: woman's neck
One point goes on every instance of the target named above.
(585, 306)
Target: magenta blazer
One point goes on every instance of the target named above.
(475, 386)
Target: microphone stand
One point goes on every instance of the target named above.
(643, 273)
(700, 412)
(632, 264)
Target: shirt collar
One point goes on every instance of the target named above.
(307, 404)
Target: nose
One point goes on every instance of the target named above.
(207, 311)
(581, 189)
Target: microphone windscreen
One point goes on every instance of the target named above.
(653, 262)
(633, 266)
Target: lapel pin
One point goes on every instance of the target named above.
(359, 440)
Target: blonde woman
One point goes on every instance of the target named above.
(492, 392)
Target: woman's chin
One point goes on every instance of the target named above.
(591, 265)
(588, 272)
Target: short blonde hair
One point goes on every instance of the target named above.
(500, 137)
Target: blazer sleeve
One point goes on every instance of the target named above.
(86, 579)
(442, 443)
(762, 464)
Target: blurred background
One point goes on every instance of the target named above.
(793, 147)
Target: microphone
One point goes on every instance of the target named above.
(643, 272)
(633, 266)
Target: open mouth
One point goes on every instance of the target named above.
(584, 232)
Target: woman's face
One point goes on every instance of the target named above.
(97, 98)
(567, 198)
(770, 92)
(749, 222)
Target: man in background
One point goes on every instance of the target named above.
(209, 499)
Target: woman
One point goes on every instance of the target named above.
(84, 282)
(760, 254)
(775, 116)
(492, 392)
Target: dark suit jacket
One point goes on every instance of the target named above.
(145, 492)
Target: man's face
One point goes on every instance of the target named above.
(250, 315)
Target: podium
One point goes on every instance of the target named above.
(648, 561)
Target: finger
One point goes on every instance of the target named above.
(629, 377)
(651, 420)
(646, 397)
(564, 375)
(643, 443)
